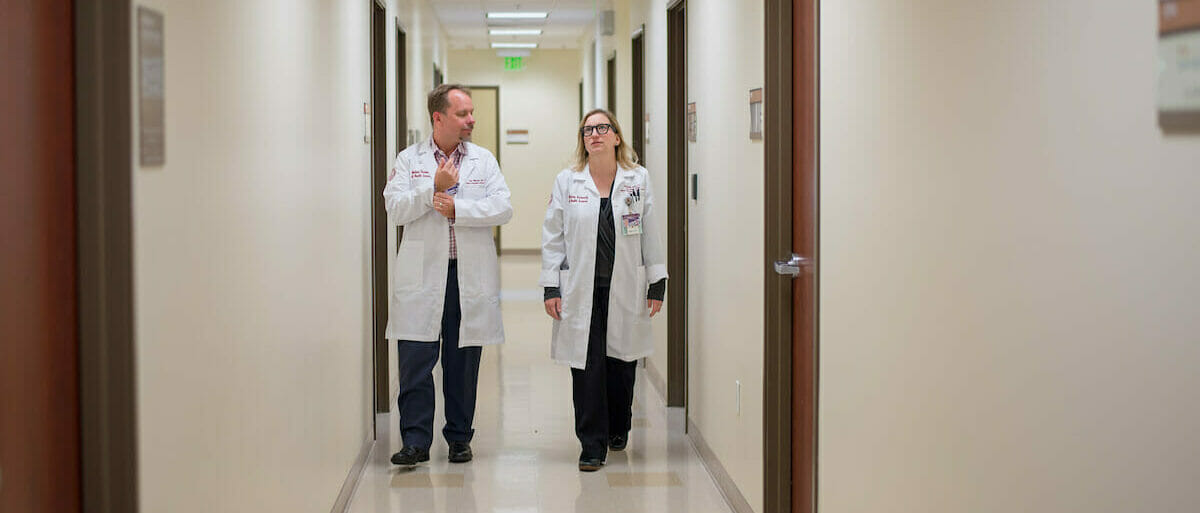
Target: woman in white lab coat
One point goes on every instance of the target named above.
(604, 273)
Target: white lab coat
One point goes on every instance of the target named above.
(419, 280)
(569, 262)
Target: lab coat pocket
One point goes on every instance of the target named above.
(563, 276)
(643, 333)
(410, 264)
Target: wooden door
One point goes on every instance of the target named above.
(805, 176)
(379, 220)
(677, 205)
(39, 348)
(486, 100)
(792, 174)
(487, 118)
(638, 87)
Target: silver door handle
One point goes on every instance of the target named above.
(793, 266)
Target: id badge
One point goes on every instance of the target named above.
(631, 224)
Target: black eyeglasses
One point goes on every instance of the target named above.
(602, 129)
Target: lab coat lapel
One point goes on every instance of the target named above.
(585, 176)
(470, 164)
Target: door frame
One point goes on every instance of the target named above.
(498, 138)
(379, 220)
(610, 80)
(496, 230)
(104, 210)
(792, 165)
(677, 202)
(637, 76)
(401, 86)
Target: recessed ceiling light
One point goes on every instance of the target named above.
(514, 45)
(515, 32)
(524, 15)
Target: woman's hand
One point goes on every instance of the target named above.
(654, 305)
(554, 308)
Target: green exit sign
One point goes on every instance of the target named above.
(514, 63)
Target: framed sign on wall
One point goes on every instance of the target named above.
(1179, 65)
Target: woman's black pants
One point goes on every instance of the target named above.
(603, 389)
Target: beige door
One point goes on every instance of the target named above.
(487, 127)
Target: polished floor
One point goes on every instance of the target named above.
(525, 447)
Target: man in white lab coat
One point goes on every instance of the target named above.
(447, 193)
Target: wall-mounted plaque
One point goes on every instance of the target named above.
(152, 134)
(691, 122)
(1179, 64)
(516, 136)
(756, 114)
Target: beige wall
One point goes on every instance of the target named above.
(544, 99)
(1009, 255)
(252, 261)
(725, 238)
(725, 294)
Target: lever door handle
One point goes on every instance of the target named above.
(792, 267)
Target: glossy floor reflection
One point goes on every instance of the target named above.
(525, 447)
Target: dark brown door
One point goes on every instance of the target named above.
(401, 88)
(805, 174)
(677, 190)
(637, 75)
(792, 172)
(379, 223)
(39, 394)
(612, 84)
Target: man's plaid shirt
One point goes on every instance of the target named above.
(460, 151)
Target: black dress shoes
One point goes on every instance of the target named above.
(618, 442)
(587, 464)
(410, 456)
(460, 452)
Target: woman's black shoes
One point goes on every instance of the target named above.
(410, 456)
(618, 442)
(587, 464)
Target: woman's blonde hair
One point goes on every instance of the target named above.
(626, 157)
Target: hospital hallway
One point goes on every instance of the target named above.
(920, 257)
(525, 448)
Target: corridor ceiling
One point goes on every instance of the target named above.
(466, 22)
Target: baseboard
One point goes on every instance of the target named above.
(520, 251)
(732, 494)
(342, 504)
(656, 378)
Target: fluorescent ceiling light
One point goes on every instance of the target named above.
(515, 32)
(512, 53)
(514, 45)
(537, 15)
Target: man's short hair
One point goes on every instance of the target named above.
(439, 97)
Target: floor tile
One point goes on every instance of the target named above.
(526, 453)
